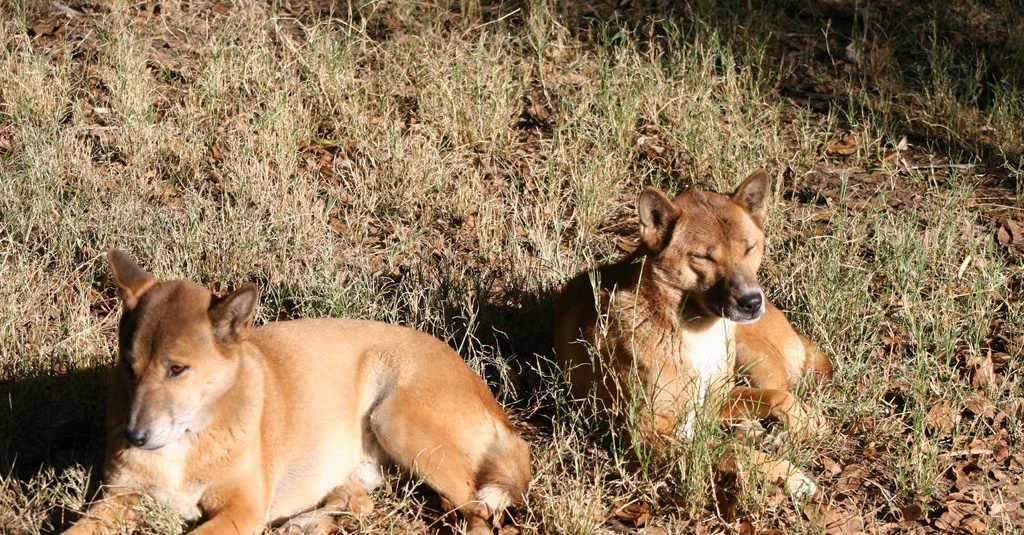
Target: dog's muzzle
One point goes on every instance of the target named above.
(137, 437)
(748, 307)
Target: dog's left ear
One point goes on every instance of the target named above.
(232, 315)
(132, 281)
(752, 195)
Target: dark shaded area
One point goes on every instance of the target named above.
(509, 321)
(855, 60)
(54, 421)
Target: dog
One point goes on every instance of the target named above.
(287, 425)
(663, 331)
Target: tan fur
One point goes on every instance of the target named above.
(774, 355)
(287, 424)
(660, 330)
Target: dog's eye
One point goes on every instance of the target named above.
(702, 257)
(750, 248)
(176, 369)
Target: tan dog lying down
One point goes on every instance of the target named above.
(662, 331)
(257, 427)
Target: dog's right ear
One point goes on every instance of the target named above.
(232, 316)
(752, 195)
(657, 215)
(132, 281)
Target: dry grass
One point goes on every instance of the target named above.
(447, 166)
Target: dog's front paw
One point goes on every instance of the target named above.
(308, 524)
(804, 423)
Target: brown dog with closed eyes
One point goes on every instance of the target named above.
(662, 331)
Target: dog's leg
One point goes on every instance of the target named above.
(324, 520)
(434, 448)
(818, 365)
(111, 514)
(239, 516)
(759, 403)
(739, 459)
(769, 373)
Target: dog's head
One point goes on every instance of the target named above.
(709, 246)
(178, 351)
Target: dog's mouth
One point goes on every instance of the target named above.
(744, 316)
(155, 436)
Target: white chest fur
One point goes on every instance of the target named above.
(710, 355)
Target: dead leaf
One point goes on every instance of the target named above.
(221, 9)
(853, 477)
(636, 514)
(215, 151)
(965, 475)
(973, 524)
(1010, 234)
(955, 512)
(942, 418)
(911, 513)
(984, 371)
(843, 146)
(820, 514)
(40, 30)
(845, 524)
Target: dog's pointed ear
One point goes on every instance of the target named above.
(657, 216)
(232, 316)
(752, 195)
(132, 281)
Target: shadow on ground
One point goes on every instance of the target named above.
(842, 58)
(53, 422)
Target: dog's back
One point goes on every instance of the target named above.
(335, 379)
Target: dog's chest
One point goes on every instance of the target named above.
(709, 354)
(163, 473)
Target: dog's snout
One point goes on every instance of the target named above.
(750, 303)
(137, 437)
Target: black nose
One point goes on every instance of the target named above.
(749, 303)
(137, 437)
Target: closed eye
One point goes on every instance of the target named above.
(750, 248)
(128, 361)
(702, 257)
